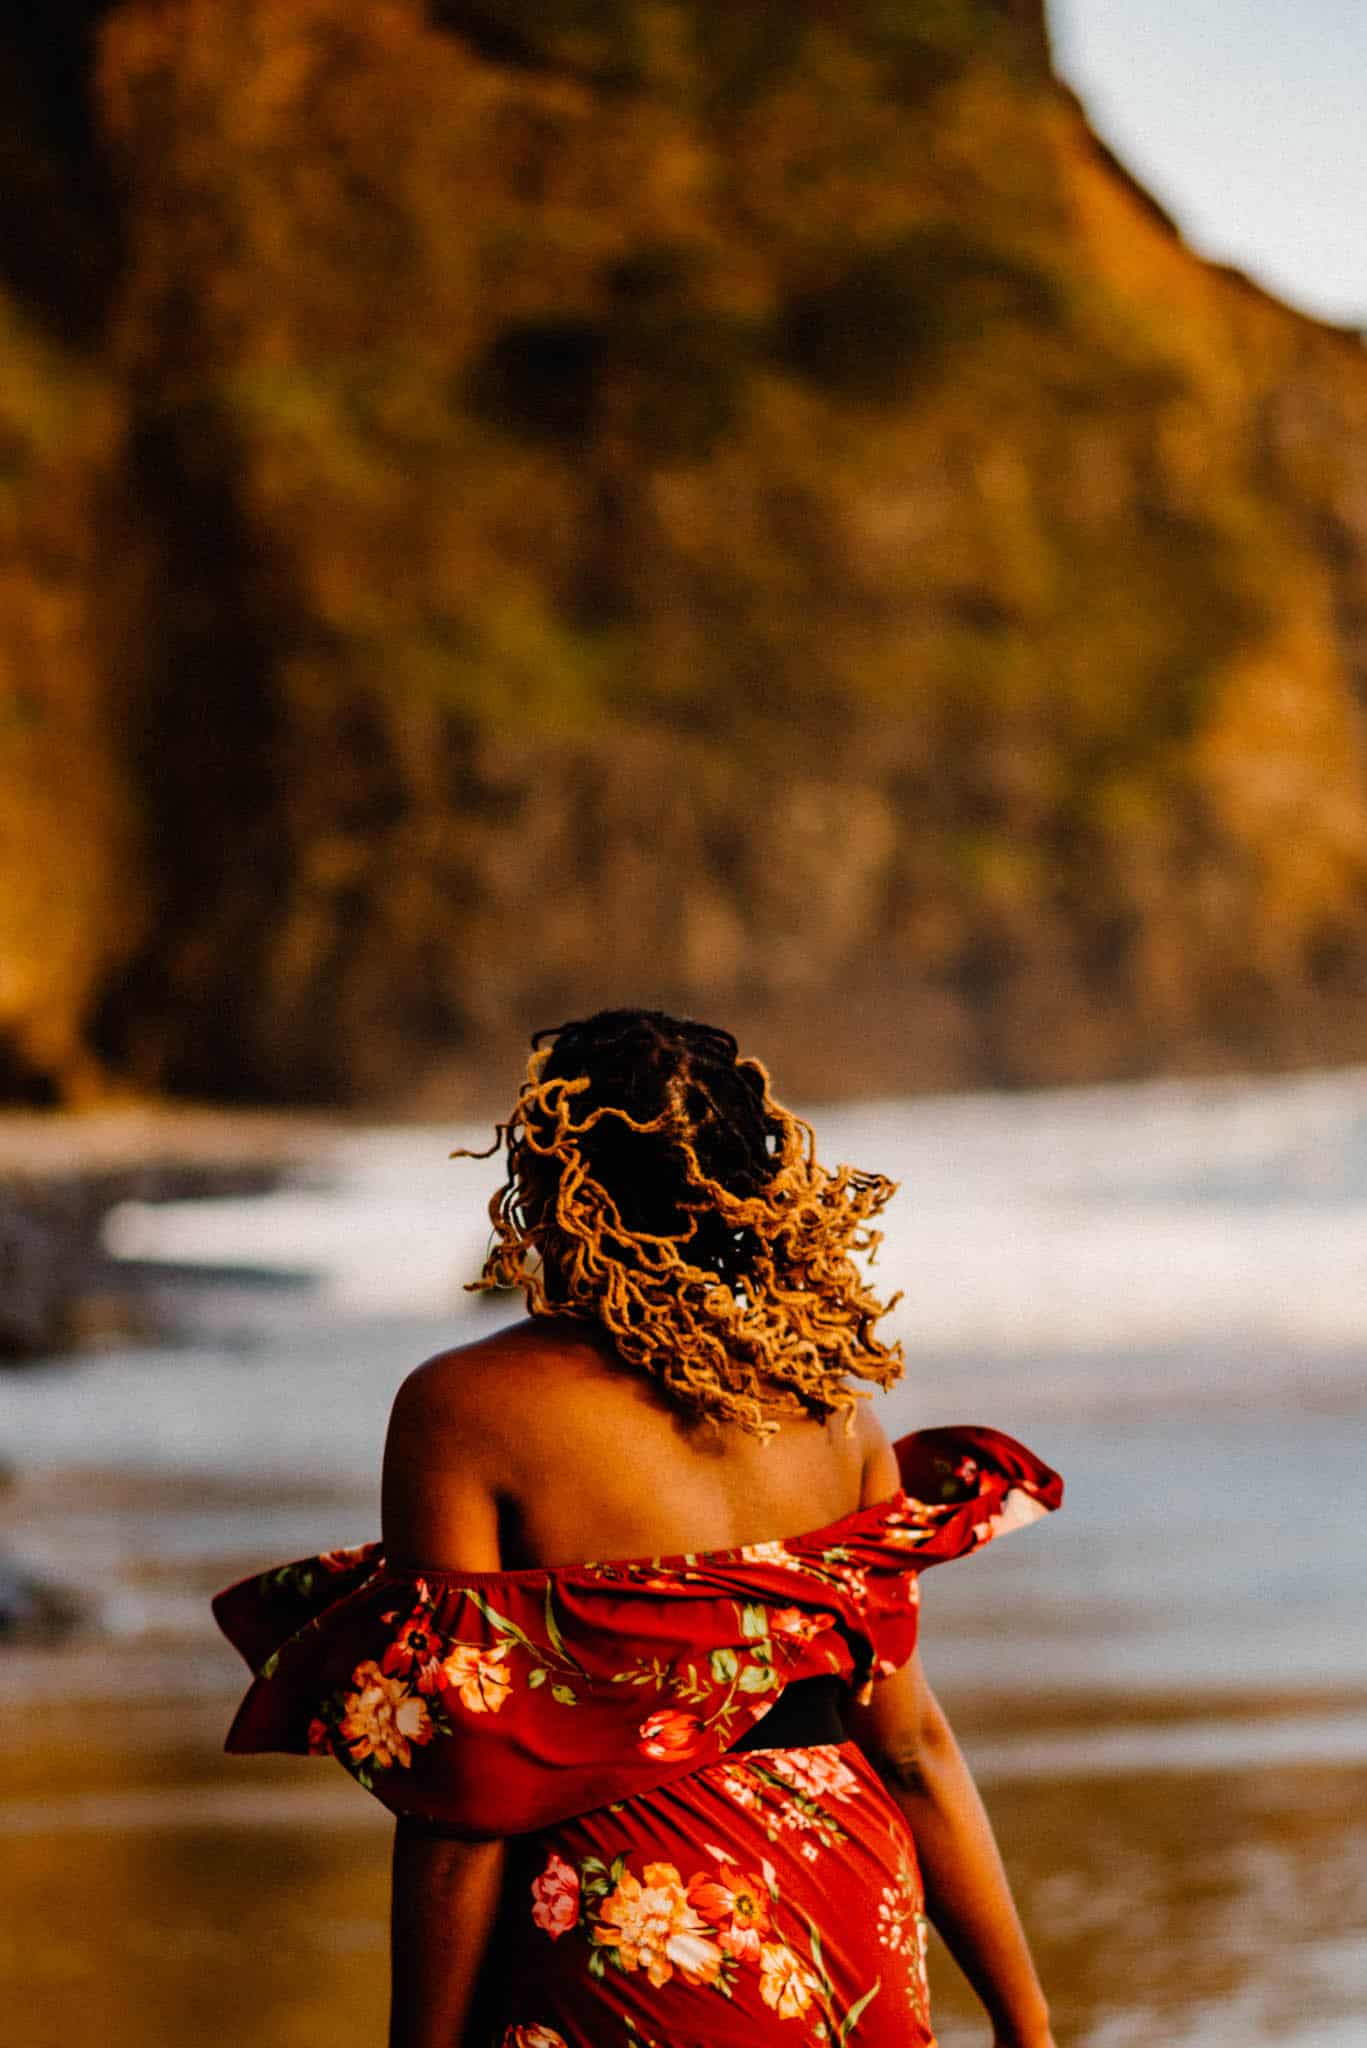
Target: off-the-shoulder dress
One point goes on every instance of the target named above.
(677, 1883)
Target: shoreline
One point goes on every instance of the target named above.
(63, 1172)
(1163, 1692)
(1158, 1902)
(1042, 1162)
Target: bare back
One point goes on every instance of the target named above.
(538, 1446)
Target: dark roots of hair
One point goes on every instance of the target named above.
(656, 1187)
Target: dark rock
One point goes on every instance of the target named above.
(32, 1611)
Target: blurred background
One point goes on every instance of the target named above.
(845, 519)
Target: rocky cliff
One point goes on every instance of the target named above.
(505, 507)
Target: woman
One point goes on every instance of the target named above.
(687, 1797)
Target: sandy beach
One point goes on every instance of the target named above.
(150, 1889)
(180, 1895)
(1163, 1689)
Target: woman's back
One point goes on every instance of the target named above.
(537, 1445)
(643, 1558)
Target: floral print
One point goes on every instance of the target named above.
(400, 1703)
(740, 1930)
(422, 1680)
(675, 1892)
(785, 1982)
(498, 1700)
(479, 1678)
(670, 1734)
(555, 1897)
(737, 1906)
(788, 1790)
(649, 1923)
(770, 1553)
(804, 1628)
(381, 1720)
(905, 1932)
(821, 1773)
(415, 1650)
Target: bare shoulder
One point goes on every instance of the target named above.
(457, 1429)
(881, 1476)
(482, 1386)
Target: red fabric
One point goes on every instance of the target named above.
(742, 1906)
(660, 1894)
(502, 1703)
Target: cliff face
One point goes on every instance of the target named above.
(746, 508)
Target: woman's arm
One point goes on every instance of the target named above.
(445, 1898)
(904, 1734)
(438, 1508)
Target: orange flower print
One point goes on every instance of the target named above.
(533, 2037)
(785, 1982)
(737, 1907)
(791, 1621)
(381, 1719)
(415, 1651)
(555, 1897)
(670, 1734)
(480, 1678)
(319, 1739)
(652, 1926)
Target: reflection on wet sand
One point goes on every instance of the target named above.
(1200, 1911)
(184, 1898)
(1164, 1693)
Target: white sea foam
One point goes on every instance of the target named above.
(1084, 1257)
(1160, 1288)
(1219, 1212)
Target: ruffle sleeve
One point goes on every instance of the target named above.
(496, 1703)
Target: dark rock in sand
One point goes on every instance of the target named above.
(58, 1284)
(32, 1611)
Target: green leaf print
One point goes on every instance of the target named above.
(725, 1664)
(537, 1676)
(753, 1620)
(756, 1678)
(565, 1695)
(553, 1630)
(500, 1623)
(852, 2017)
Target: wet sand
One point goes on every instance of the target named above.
(1191, 1863)
(161, 1894)
(1188, 1841)
(1163, 1689)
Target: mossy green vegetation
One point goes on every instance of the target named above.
(746, 507)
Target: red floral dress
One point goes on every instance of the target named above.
(662, 1893)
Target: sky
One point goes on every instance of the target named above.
(1247, 119)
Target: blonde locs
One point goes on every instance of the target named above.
(736, 1294)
